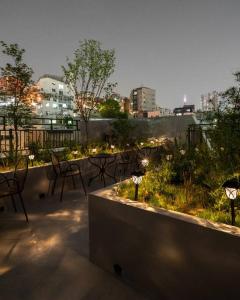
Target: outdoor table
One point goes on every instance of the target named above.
(102, 162)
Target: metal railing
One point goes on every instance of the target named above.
(41, 123)
(44, 139)
(199, 133)
(45, 132)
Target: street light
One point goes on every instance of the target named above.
(137, 179)
(231, 188)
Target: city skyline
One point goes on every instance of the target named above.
(180, 48)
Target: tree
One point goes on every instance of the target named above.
(123, 129)
(225, 134)
(19, 79)
(111, 109)
(87, 75)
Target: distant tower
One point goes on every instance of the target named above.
(184, 99)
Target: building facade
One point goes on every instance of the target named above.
(143, 99)
(184, 110)
(210, 101)
(56, 97)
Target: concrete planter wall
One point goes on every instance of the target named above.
(37, 183)
(165, 254)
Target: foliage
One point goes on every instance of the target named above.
(68, 122)
(123, 129)
(34, 148)
(87, 75)
(225, 132)
(189, 183)
(111, 109)
(18, 77)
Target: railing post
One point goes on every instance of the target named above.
(51, 125)
(4, 123)
(11, 148)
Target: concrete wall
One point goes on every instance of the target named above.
(97, 129)
(37, 182)
(164, 254)
(170, 126)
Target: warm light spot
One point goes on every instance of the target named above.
(4, 269)
(41, 247)
(59, 214)
(172, 254)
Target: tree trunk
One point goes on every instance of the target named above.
(86, 133)
(16, 141)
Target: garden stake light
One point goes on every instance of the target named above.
(182, 152)
(145, 162)
(169, 157)
(31, 158)
(231, 188)
(137, 179)
(75, 153)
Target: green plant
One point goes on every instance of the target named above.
(18, 77)
(86, 76)
(34, 148)
(123, 129)
(111, 109)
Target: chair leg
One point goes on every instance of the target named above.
(23, 206)
(49, 187)
(104, 181)
(73, 181)
(63, 182)
(83, 185)
(54, 185)
(13, 203)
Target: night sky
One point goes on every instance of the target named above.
(174, 46)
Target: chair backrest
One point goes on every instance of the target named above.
(125, 156)
(20, 172)
(55, 163)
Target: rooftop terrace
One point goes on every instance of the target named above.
(48, 258)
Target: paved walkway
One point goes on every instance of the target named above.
(48, 259)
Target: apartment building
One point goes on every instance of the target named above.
(143, 99)
(56, 97)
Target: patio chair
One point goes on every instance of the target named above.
(125, 163)
(9, 187)
(65, 169)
